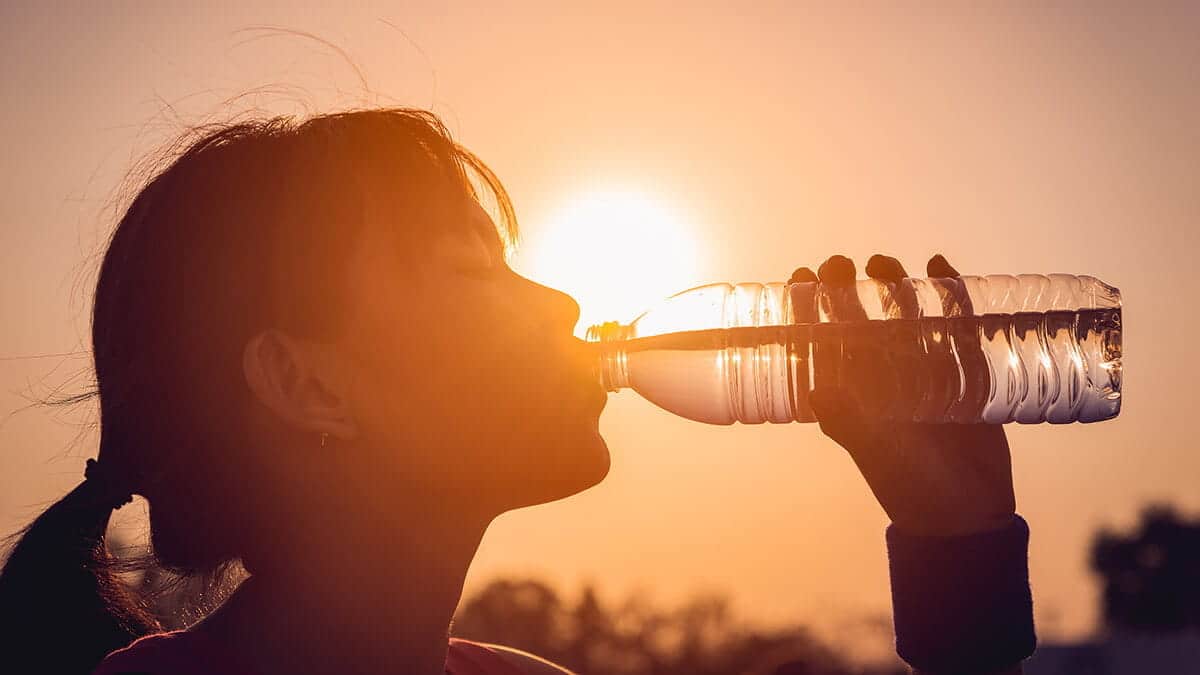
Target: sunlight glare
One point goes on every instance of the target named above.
(615, 252)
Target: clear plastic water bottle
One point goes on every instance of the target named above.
(993, 349)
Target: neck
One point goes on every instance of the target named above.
(359, 600)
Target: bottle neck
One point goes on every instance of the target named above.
(612, 367)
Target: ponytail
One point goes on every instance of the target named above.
(61, 605)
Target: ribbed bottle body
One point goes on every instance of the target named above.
(991, 349)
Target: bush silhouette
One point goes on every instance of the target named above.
(1151, 577)
(634, 638)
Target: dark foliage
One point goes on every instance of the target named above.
(634, 638)
(1151, 576)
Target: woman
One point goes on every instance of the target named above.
(312, 359)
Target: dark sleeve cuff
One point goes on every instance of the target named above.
(962, 604)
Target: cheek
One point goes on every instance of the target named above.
(430, 380)
(469, 393)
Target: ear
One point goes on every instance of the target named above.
(298, 383)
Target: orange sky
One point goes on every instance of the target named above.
(1041, 141)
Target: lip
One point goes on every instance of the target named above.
(601, 396)
(593, 392)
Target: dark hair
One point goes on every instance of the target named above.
(249, 227)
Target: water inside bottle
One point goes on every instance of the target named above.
(1058, 366)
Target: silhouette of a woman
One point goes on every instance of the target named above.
(312, 360)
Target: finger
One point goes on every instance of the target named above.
(802, 275)
(899, 300)
(802, 291)
(939, 267)
(831, 406)
(885, 268)
(838, 269)
(837, 414)
(955, 300)
(839, 292)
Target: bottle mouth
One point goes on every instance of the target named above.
(609, 331)
(611, 365)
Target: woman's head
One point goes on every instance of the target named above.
(297, 316)
(294, 302)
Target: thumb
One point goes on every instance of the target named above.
(836, 412)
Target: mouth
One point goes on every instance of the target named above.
(599, 395)
(592, 393)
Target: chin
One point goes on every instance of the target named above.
(575, 467)
(601, 462)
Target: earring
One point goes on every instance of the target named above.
(324, 438)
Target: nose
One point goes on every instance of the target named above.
(561, 310)
(558, 312)
(564, 310)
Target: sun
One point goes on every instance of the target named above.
(615, 251)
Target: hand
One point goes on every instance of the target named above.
(931, 479)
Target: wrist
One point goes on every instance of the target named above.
(951, 523)
(962, 604)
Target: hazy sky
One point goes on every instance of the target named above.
(773, 134)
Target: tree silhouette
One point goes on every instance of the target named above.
(1151, 577)
(635, 638)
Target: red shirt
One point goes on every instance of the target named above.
(193, 653)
